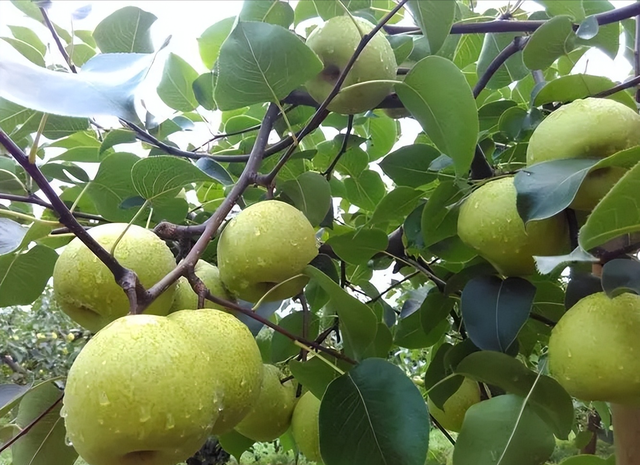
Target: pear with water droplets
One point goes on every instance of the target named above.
(266, 244)
(85, 288)
(489, 223)
(305, 427)
(142, 391)
(594, 350)
(186, 299)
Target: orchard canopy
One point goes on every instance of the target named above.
(358, 225)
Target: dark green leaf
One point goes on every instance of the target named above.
(409, 165)
(215, 170)
(311, 194)
(588, 28)
(435, 308)
(576, 86)
(176, 87)
(439, 389)
(621, 275)
(434, 17)
(437, 94)
(127, 30)
(402, 46)
(549, 42)
(494, 310)
(235, 443)
(512, 70)
(396, 205)
(378, 408)
(211, 40)
(11, 234)
(270, 11)
(253, 69)
(10, 394)
(359, 246)
(315, 374)
(581, 285)
(24, 276)
(203, 88)
(281, 346)
(365, 190)
(440, 217)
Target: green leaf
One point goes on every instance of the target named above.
(608, 36)
(115, 137)
(235, 443)
(281, 346)
(28, 51)
(270, 11)
(616, 214)
(549, 42)
(24, 276)
(11, 235)
(27, 35)
(315, 374)
(576, 86)
(409, 165)
(588, 460)
(311, 194)
(440, 217)
(511, 71)
(176, 87)
(365, 190)
(547, 265)
(10, 394)
(127, 30)
(253, 69)
(434, 378)
(494, 310)
(203, 88)
(437, 94)
(358, 247)
(164, 176)
(357, 321)
(378, 408)
(46, 440)
(80, 53)
(545, 395)
(410, 332)
(395, 206)
(211, 40)
(434, 17)
(215, 170)
(383, 132)
(572, 8)
(327, 9)
(500, 431)
(621, 275)
(435, 308)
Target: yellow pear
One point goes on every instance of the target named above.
(455, 407)
(185, 298)
(305, 427)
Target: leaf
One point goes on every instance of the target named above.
(203, 88)
(176, 86)
(588, 28)
(547, 265)
(409, 165)
(511, 71)
(27, 35)
(105, 87)
(410, 333)
(357, 321)
(270, 11)
(281, 346)
(215, 170)
(586, 460)
(572, 8)
(616, 214)
(621, 275)
(545, 395)
(501, 431)
(126, 30)
(549, 42)
(235, 443)
(311, 194)
(45, 440)
(27, 51)
(252, 68)
(315, 374)
(494, 310)
(395, 206)
(359, 246)
(24, 276)
(365, 190)
(383, 133)
(439, 217)
(378, 408)
(211, 40)
(581, 285)
(437, 94)
(10, 394)
(440, 390)
(115, 137)
(435, 308)
(164, 176)
(577, 86)
(434, 18)
(11, 234)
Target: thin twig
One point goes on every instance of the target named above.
(625, 85)
(57, 40)
(514, 47)
(343, 149)
(443, 430)
(393, 286)
(32, 199)
(542, 319)
(306, 321)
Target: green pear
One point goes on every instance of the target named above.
(593, 350)
(452, 414)
(142, 391)
(305, 428)
(47, 438)
(489, 223)
(85, 288)
(235, 357)
(587, 128)
(271, 414)
(265, 244)
(185, 298)
(335, 42)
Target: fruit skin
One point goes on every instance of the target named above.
(185, 298)
(334, 43)
(265, 244)
(47, 437)
(593, 350)
(452, 416)
(141, 391)
(305, 427)
(271, 414)
(236, 360)
(85, 288)
(489, 223)
(587, 128)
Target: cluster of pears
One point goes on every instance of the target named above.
(151, 388)
(489, 221)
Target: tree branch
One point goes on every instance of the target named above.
(57, 40)
(343, 149)
(625, 85)
(32, 199)
(514, 47)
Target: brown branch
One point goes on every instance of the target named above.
(625, 85)
(343, 149)
(393, 286)
(11, 363)
(57, 40)
(32, 199)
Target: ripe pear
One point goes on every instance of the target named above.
(335, 42)
(265, 244)
(593, 350)
(236, 360)
(455, 407)
(587, 128)
(305, 427)
(140, 392)
(489, 223)
(185, 298)
(271, 414)
(85, 288)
